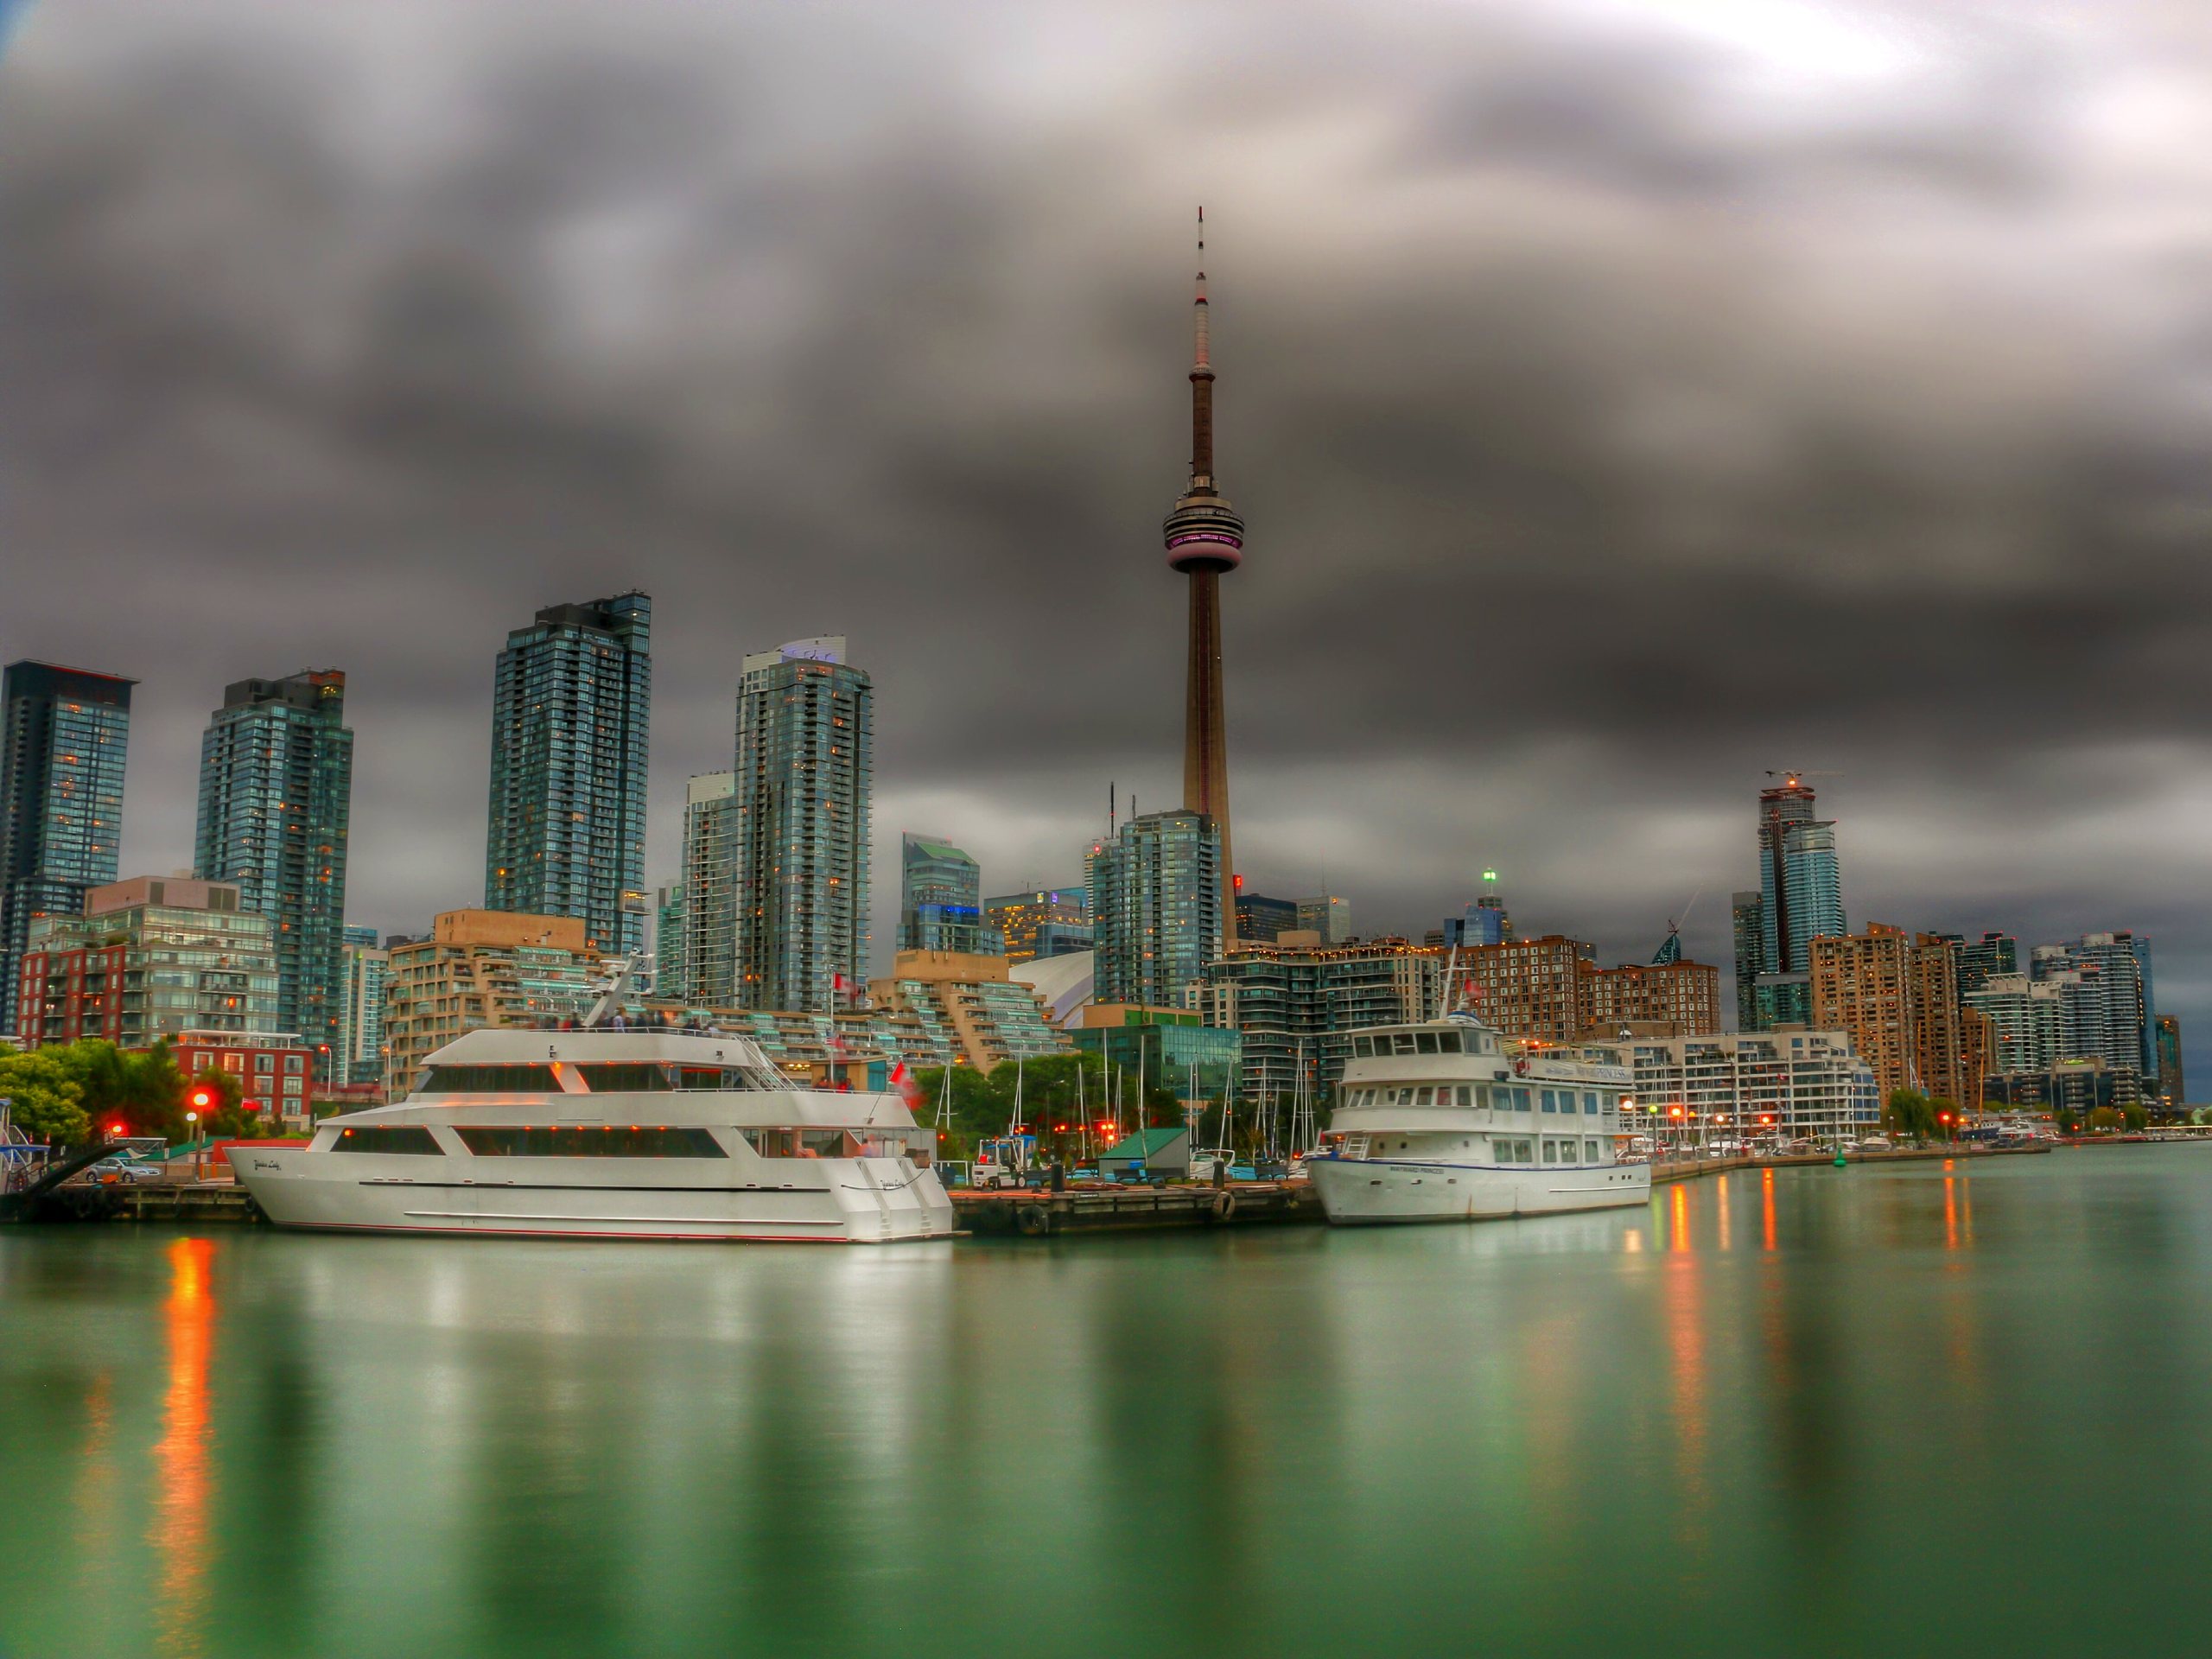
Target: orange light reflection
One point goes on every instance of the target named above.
(182, 1469)
(1766, 1209)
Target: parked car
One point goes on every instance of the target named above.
(120, 1171)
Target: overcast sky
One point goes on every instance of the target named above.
(1625, 399)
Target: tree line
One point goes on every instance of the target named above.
(65, 1094)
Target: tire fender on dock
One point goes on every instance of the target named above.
(1034, 1220)
(1223, 1207)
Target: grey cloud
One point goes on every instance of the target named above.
(1619, 410)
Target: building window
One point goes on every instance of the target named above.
(295, 1065)
(264, 1064)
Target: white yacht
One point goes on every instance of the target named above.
(1437, 1121)
(606, 1133)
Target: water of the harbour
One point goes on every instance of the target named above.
(1912, 1410)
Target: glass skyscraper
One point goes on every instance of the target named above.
(1043, 923)
(571, 717)
(940, 897)
(64, 733)
(1801, 899)
(1156, 920)
(361, 1017)
(709, 971)
(275, 792)
(804, 724)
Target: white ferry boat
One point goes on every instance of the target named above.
(1437, 1122)
(606, 1133)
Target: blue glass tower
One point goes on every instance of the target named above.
(275, 794)
(805, 719)
(940, 897)
(1156, 895)
(571, 723)
(1801, 899)
(65, 732)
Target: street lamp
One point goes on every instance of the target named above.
(202, 1099)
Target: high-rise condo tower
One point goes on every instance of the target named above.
(571, 715)
(275, 798)
(62, 735)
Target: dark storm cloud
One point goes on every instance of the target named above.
(1624, 400)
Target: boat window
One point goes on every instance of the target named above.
(1589, 1151)
(1566, 1152)
(1590, 1105)
(1404, 1042)
(1425, 1098)
(591, 1140)
(404, 1139)
(1447, 1042)
(624, 1077)
(1362, 1048)
(1425, 1042)
(1467, 1096)
(715, 1078)
(1551, 1101)
(1551, 1151)
(488, 1080)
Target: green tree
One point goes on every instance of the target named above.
(228, 1116)
(1910, 1113)
(2135, 1117)
(2068, 1120)
(2104, 1119)
(48, 1099)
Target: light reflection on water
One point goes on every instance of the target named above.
(183, 1470)
(1709, 1424)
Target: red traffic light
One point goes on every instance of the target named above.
(202, 1099)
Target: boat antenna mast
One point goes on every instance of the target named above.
(622, 974)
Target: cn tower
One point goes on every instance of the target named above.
(1205, 539)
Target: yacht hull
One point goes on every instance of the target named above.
(1356, 1192)
(839, 1201)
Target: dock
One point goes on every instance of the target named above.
(1689, 1169)
(1089, 1207)
(194, 1202)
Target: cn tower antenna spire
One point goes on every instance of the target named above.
(1205, 541)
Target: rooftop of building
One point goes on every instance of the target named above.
(180, 893)
(507, 929)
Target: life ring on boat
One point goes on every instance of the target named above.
(1223, 1207)
(1034, 1220)
(1520, 1066)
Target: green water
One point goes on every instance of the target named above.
(1905, 1410)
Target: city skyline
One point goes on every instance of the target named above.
(1389, 497)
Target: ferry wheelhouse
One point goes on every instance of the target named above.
(1437, 1121)
(608, 1134)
